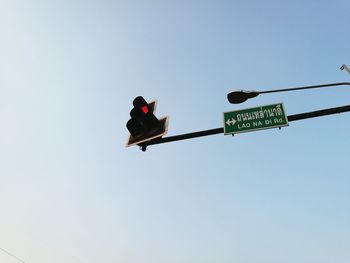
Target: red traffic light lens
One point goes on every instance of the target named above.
(145, 109)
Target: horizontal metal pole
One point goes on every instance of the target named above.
(319, 113)
(295, 117)
(186, 136)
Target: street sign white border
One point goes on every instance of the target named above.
(258, 129)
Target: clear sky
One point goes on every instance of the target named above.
(71, 192)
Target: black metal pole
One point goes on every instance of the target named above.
(295, 117)
(305, 87)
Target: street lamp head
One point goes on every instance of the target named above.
(239, 96)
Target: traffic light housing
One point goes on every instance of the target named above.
(144, 125)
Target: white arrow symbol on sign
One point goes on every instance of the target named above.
(231, 122)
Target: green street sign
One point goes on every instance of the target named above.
(252, 119)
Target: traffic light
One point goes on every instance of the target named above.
(144, 125)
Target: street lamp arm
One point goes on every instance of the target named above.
(305, 87)
(240, 96)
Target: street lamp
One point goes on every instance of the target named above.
(240, 96)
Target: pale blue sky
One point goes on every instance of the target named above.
(71, 192)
